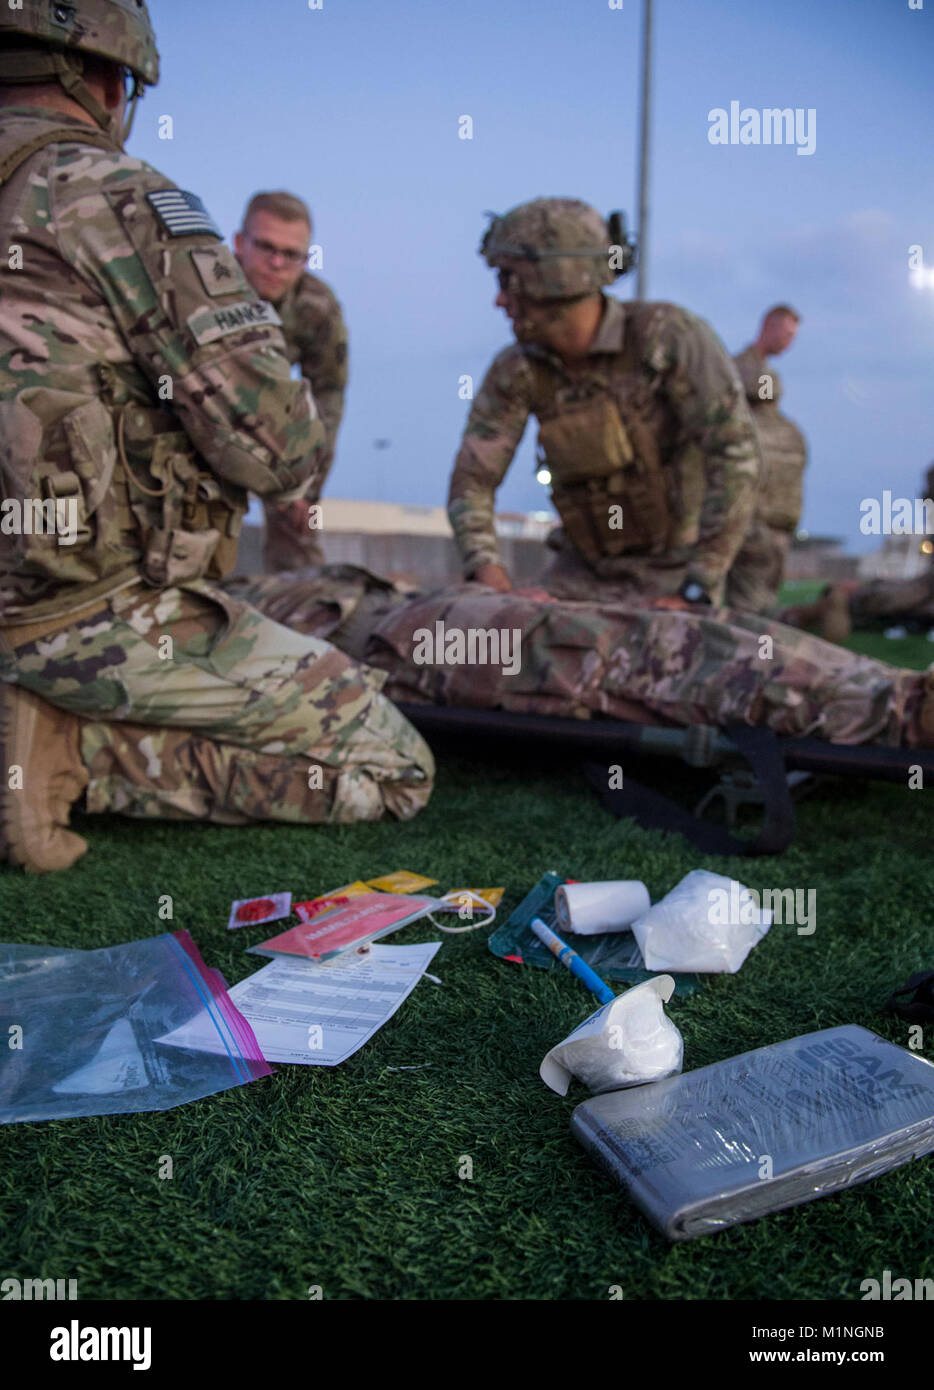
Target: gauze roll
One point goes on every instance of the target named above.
(588, 908)
(626, 1043)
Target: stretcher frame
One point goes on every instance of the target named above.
(753, 766)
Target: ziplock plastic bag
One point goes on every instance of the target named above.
(707, 923)
(79, 1029)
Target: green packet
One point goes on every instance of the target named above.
(614, 955)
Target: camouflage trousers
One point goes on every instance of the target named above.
(756, 574)
(652, 665)
(196, 706)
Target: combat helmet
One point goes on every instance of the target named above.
(45, 39)
(563, 247)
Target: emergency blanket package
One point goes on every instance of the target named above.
(80, 1029)
(766, 1130)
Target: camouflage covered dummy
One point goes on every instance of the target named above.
(759, 568)
(143, 389)
(642, 422)
(272, 249)
(655, 666)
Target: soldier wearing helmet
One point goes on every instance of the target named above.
(878, 602)
(642, 422)
(144, 387)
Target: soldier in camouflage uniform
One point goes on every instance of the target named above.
(758, 570)
(272, 248)
(641, 421)
(625, 661)
(143, 389)
(877, 603)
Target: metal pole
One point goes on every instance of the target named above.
(645, 123)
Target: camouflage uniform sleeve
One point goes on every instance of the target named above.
(189, 318)
(708, 399)
(749, 367)
(320, 346)
(491, 436)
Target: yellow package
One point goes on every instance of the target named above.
(350, 890)
(493, 896)
(400, 882)
(337, 896)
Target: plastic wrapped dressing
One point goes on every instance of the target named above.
(707, 923)
(625, 1043)
(81, 1029)
(763, 1131)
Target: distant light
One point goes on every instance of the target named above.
(922, 278)
(542, 516)
(926, 547)
(543, 476)
(803, 535)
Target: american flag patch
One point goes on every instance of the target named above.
(183, 214)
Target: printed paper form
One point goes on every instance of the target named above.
(318, 1015)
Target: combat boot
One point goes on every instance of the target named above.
(920, 732)
(828, 615)
(803, 615)
(41, 774)
(834, 623)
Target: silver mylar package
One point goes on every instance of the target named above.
(766, 1130)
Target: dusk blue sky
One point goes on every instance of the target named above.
(355, 107)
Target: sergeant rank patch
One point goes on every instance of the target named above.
(183, 214)
(219, 270)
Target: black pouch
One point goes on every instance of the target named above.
(914, 1000)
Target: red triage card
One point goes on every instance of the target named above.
(360, 920)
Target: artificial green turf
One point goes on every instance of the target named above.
(347, 1178)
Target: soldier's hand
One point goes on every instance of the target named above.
(674, 601)
(296, 513)
(540, 595)
(494, 577)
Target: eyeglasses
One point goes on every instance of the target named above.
(266, 248)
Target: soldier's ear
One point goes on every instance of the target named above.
(111, 83)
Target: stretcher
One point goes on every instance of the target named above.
(750, 766)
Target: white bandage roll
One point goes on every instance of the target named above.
(588, 908)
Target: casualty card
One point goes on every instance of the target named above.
(318, 1015)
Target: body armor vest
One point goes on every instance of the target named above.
(604, 445)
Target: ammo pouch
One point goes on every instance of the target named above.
(597, 465)
(784, 455)
(62, 474)
(189, 519)
(100, 489)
